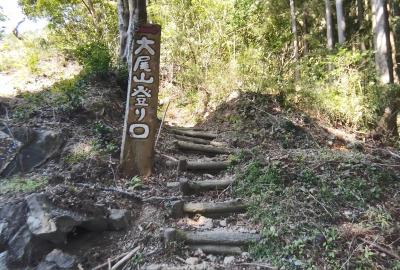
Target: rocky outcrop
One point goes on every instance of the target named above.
(31, 228)
(58, 260)
(24, 149)
(9, 148)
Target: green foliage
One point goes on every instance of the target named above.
(94, 57)
(87, 32)
(104, 142)
(135, 183)
(64, 96)
(299, 217)
(33, 62)
(2, 19)
(20, 184)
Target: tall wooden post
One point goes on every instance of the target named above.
(140, 126)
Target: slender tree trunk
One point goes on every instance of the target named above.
(395, 38)
(329, 24)
(123, 24)
(294, 30)
(360, 21)
(383, 52)
(387, 125)
(341, 22)
(305, 28)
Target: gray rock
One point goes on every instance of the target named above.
(31, 228)
(38, 146)
(95, 224)
(3, 260)
(9, 148)
(229, 260)
(24, 248)
(118, 219)
(62, 260)
(12, 218)
(51, 223)
(212, 258)
(58, 260)
(192, 260)
(47, 222)
(223, 223)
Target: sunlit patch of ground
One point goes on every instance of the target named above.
(29, 66)
(18, 81)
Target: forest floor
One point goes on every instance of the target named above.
(320, 198)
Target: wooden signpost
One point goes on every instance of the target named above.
(140, 126)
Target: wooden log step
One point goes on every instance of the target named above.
(215, 237)
(178, 209)
(187, 128)
(192, 139)
(232, 206)
(195, 187)
(218, 249)
(208, 166)
(197, 134)
(208, 149)
(201, 266)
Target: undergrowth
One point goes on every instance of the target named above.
(318, 219)
(63, 96)
(22, 184)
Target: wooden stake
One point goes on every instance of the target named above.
(140, 126)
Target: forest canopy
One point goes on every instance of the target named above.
(279, 47)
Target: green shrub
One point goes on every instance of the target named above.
(32, 59)
(94, 57)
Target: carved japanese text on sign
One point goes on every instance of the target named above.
(141, 116)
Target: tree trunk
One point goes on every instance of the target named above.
(395, 38)
(383, 53)
(387, 125)
(123, 24)
(360, 22)
(305, 28)
(341, 22)
(294, 30)
(329, 24)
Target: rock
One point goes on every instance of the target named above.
(12, 218)
(30, 229)
(47, 222)
(35, 148)
(24, 248)
(212, 258)
(192, 260)
(222, 223)
(199, 253)
(95, 224)
(58, 260)
(245, 256)
(118, 219)
(229, 260)
(51, 223)
(3, 260)
(9, 148)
